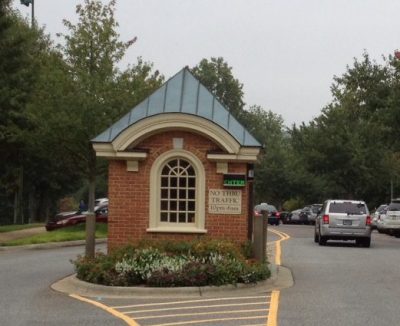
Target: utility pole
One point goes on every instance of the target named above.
(27, 3)
(397, 56)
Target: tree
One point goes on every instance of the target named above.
(344, 149)
(92, 51)
(271, 171)
(18, 71)
(217, 76)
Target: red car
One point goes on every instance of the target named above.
(65, 219)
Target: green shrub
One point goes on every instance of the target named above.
(168, 263)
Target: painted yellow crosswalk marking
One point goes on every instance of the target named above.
(221, 310)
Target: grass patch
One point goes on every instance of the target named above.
(16, 227)
(76, 232)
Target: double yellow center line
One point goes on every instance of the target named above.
(273, 308)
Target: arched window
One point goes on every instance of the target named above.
(178, 192)
(177, 186)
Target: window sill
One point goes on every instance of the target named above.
(176, 230)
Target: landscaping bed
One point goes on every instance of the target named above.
(173, 264)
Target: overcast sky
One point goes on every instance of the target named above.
(284, 52)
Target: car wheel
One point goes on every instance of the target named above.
(366, 243)
(321, 239)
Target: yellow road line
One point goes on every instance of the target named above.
(203, 313)
(274, 303)
(112, 311)
(278, 251)
(192, 301)
(273, 309)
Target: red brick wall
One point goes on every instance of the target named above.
(129, 194)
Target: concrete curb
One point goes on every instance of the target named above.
(281, 277)
(50, 245)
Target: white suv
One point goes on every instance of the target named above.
(343, 220)
(391, 223)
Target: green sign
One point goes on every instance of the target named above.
(234, 180)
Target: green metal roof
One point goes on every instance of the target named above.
(185, 94)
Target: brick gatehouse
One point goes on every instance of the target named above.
(179, 167)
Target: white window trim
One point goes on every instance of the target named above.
(155, 225)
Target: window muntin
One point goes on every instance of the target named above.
(178, 192)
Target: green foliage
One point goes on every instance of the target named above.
(218, 77)
(54, 100)
(92, 50)
(166, 263)
(351, 149)
(272, 171)
(292, 204)
(19, 46)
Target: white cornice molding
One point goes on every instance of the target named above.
(245, 155)
(107, 151)
(175, 121)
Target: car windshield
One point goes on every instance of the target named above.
(381, 208)
(315, 209)
(347, 208)
(394, 207)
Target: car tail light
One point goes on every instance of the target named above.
(325, 219)
(368, 220)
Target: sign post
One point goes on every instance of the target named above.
(260, 224)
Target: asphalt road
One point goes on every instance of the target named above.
(27, 299)
(340, 284)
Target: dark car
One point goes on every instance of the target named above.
(305, 215)
(285, 217)
(273, 214)
(65, 219)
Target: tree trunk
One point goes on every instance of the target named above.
(18, 196)
(15, 207)
(33, 206)
(90, 218)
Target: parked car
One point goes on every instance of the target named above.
(100, 202)
(314, 212)
(343, 220)
(273, 214)
(309, 213)
(390, 222)
(294, 216)
(65, 219)
(379, 212)
(285, 217)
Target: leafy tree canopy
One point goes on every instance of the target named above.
(217, 76)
